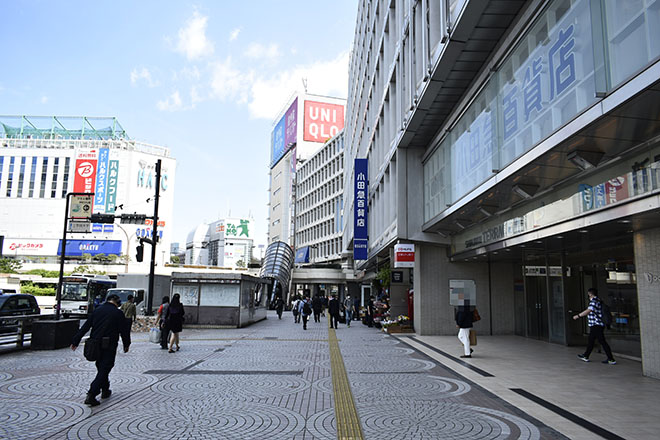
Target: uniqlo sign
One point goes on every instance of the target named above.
(322, 121)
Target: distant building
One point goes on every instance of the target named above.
(44, 158)
(307, 123)
(223, 243)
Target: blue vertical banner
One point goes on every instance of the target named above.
(360, 234)
(101, 180)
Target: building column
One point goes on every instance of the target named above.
(647, 265)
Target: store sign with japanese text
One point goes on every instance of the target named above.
(360, 232)
(18, 246)
(322, 121)
(101, 181)
(404, 255)
(113, 175)
(85, 172)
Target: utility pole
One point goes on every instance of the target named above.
(154, 238)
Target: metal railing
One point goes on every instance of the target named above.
(22, 333)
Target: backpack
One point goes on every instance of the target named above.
(606, 314)
(307, 309)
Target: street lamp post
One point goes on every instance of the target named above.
(128, 244)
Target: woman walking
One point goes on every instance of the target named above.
(174, 321)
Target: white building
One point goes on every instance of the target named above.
(319, 204)
(43, 159)
(307, 122)
(224, 243)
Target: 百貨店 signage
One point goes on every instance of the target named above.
(361, 187)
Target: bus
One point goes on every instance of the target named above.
(80, 293)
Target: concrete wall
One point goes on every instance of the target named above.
(434, 315)
(647, 263)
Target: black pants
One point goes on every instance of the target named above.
(164, 335)
(103, 367)
(305, 318)
(317, 315)
(334, 319)
(296, 317)
(279, 313)
(597, 332)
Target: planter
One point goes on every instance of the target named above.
(51, 335)
(398, 328)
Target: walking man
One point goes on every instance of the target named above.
(317, 306)
(279, 306)
(464, 324)
(295, 309)
(305, 309)
(107, 323)
(333, 311)
(594, 314)
(348, 307)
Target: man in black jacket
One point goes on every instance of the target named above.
(333, 311)
(317, 306)
(107, 323)
(464, 324)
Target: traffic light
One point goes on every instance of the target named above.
(102, 218)
(133, 218)
(139, 253)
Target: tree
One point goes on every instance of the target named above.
(174, 259)
(8, 265)
(240, 263)
(87, 269)
(382, 280)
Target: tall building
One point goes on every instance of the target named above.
(307, 122)
(515, 146)
(223, 243)
(319, 205)
(44, 158)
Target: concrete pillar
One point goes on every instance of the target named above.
(647, 265)
(433, 313)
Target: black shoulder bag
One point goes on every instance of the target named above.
(92, 349)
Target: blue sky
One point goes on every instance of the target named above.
(204, 78)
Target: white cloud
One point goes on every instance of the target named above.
(192, 41)
(142, 74)
(228, 82)
(267, 95)
(258, 51)
(172, 103)
(234, 34)
(44, 99)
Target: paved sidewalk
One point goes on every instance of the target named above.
(548, 381)
(271, 380)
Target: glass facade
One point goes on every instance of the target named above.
(549, 78)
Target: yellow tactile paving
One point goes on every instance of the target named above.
(346, 416)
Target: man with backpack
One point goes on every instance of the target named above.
(305, 309)
(598, 317)
(295, 309)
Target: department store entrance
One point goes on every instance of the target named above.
(544, 296)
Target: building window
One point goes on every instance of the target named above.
(65, 184)
(2, 163)
(10, 175)
(21, 178)
(33, 174)
(53, 188)
(44, 173)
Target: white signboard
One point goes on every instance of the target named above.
(81, 227)
(404, 255)
(226, 295)
(81, 206)
(189, 294)
(27, 246)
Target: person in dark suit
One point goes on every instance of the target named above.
(333, 311)
(107, 323)
(317, 306)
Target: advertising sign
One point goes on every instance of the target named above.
(76, 248)
(360, 233)
(404, 255)
(291, 124)
(278, 147)
(302, 255)
(26, 246)
(101, 181)
(322, 121)
(85, 172)
(113, 174)
(237, 228)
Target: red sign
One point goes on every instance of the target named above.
(404, 255)
(322, 121)
(85, 177)
(616, 190)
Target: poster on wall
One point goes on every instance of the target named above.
(85, 171)
(322, 121)
(189, 294)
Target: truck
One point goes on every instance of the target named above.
(138, 282)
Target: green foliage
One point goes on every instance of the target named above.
(29, 287)
(8, 265)
(44, 273)
(383, 277)
(86, 269)
(174, 259)
(240, 263)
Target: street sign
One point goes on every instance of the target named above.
(81, 206)
(79, 227)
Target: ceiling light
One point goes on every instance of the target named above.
(583, 231)
(461, 223)
(584, 159)
(525, 191)
(487, 210)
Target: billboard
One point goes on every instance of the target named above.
(29, 246)
(76, 248)
(85, 172)
(322, 121)
(101, 181)
(284, 134)
(360, 232)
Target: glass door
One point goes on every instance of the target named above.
(556, 308)
(536, 294)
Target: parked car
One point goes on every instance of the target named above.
(16, 305)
